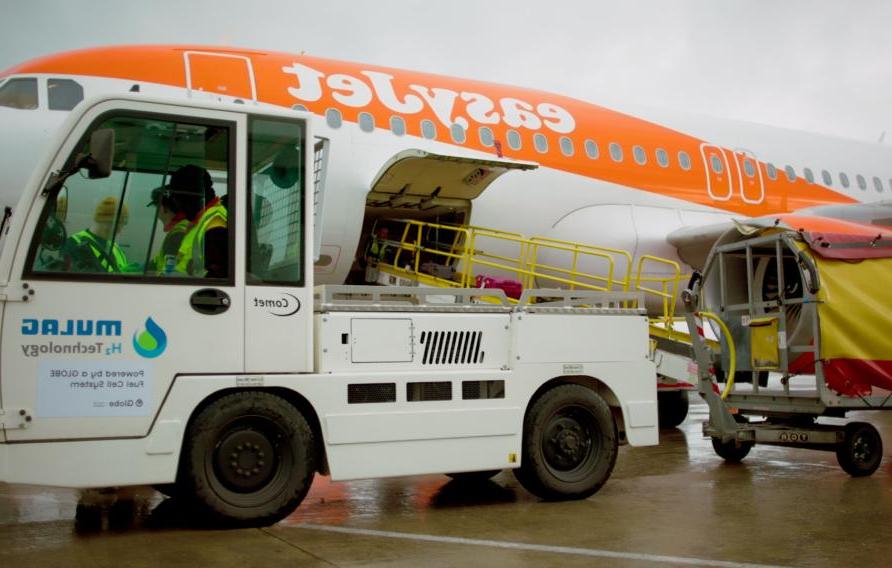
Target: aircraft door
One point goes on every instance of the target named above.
(112, 301)
(719, 184)
(752, 185)
(220, 73)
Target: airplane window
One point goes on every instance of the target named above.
(877, 184)
(791, 174)
(716, 164)
(616, 152)
(513, 140)
(640, 155)
(566, 146)
(662, 158)
(19, 93)
(486, 137)
(748, 167)
(591, 149)
(828, 179)
(397, 125)
(862, 183)
(333, 118)
(428, 130)
(299, 107)
(366, 122)
(458, 134)
(684, 160)
(540, 142)
(809, 175)
(64, 94)
(772, 171)
(843, 179)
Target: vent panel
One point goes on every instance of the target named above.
(440, 390)
(451, 347)
(476, 390)
(371, 392)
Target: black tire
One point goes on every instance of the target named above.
(733, 451)
(251, 458)
(474, 476)
(672, 407)
(861, 451)
(569, 444)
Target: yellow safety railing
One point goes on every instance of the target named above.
(461, 253)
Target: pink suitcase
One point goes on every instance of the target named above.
(512, 288)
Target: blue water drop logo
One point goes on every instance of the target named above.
(152, 342)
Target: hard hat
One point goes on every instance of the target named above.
(107, 210)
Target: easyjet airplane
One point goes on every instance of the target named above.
(416, 145)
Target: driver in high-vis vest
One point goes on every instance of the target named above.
(204, 248)
(95, 250)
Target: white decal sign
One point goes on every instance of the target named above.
(72, 388)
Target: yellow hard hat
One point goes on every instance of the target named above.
(108, 209)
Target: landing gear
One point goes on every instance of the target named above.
(861, 451)
(672, 407)
(569, 444)
(251, 458)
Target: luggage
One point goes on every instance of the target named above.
(512, 288)
(438, 270)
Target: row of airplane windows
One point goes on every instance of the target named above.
(540, 142)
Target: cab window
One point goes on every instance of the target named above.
(162, 213)
(276, 202)
(19, 93)
(63, 94)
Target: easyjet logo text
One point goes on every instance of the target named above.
(450, 107)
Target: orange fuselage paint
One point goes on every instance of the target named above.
(321, 84)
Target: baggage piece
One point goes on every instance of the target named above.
(512, 288)
(438, 270)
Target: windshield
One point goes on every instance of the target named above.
(20, 93)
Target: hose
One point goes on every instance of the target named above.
(732, 352)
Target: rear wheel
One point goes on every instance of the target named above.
(569, 444)
(250, 458)
(861, 451)
(672, 407)
(733, 451)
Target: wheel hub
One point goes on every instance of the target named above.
(567, 443)
(245, 460)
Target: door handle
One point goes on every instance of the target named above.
(210, 301)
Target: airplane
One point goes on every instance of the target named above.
(402, 144)
(646, 181)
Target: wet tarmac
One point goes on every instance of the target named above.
(676, 504)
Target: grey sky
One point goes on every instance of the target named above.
(820, 65)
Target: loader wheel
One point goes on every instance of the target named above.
(861, 451)
(672, 407)
(733, 451)
(250, 458)
(569, 444)
(471, 477)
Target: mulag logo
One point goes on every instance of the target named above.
(152, 342)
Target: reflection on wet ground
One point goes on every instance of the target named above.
(676, 503)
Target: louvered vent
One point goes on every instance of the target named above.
(451, 347)
(440, 390)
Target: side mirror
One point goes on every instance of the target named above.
(102, 152)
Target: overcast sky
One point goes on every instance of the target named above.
(819, 65)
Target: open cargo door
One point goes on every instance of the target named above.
(415, 181)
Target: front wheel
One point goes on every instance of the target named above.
(861, 451)
(569, 444)
(250, 458)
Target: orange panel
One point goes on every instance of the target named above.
(220, 74)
